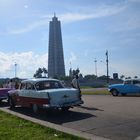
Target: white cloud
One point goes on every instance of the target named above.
(98, 12)
(134, 1)
(126, 68)
(129, 24)
(70, 61)
(72, 57)
(27, 64)
(26, 6)
(86, 52)
(86, 13)
(29, 27)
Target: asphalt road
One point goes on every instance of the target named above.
(116, 118)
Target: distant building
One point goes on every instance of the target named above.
(56, 66)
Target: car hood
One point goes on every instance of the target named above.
(115, 85)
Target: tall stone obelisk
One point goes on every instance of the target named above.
(56, 67)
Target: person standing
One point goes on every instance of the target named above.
(75, 83)
(11, 84)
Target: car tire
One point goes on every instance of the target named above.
(11, 103)
(65, 109)
(115, 92)
(35, 108)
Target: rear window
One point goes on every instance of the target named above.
(136, 82)
(27, 86)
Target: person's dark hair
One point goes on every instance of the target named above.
(76, 76)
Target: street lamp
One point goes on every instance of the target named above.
(15, 69)
(107, 71)
(95, 66)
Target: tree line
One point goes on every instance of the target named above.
(43, 72)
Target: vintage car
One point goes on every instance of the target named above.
(44, 93)
(4, 93)
(131, 86)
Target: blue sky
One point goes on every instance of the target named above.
(89, 28)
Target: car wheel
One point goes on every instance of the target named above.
(35, 108)
(64, 109)
(114, 92)
(12, 103)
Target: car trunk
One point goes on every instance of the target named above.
(63, 96)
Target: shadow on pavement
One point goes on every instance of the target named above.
(90, 108)
(54, 116)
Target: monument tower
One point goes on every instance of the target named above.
(56, 66)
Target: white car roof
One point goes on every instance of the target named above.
(35, 80)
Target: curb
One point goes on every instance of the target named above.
(55, 126)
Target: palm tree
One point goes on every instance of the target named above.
(45, 71)
(38, 73)
(135, 77)
(122, 77)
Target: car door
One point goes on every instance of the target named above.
(136, 86)
(126, 87)
(21, 93)
(25, 94)
(131, 86)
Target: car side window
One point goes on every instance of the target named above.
(127, 82)
(23, 86)
(42, 85)
(136, 82)
(30, 86)
(55, 84)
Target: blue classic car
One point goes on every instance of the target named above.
(131, 86)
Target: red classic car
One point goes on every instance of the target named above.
(44, 93)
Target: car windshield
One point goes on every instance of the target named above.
(43, 85)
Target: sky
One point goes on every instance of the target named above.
(89, 28)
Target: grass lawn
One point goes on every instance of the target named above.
(95, 91)
(14, 128)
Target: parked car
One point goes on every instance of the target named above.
(4, 93)
(44, 93)
(131, 86)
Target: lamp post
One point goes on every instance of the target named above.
(95, 67)
(15, 69)
(107, 71)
